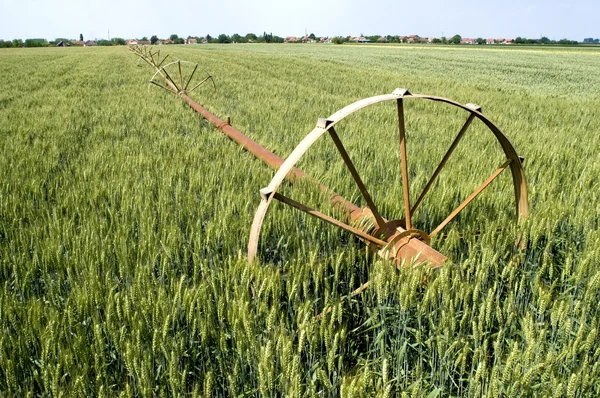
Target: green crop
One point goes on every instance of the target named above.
(124, 220)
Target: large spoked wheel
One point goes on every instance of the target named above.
(396, 239)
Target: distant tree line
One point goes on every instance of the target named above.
(117, 41)
(270, 38)
(457, 39)
(26, 43)
(247, 38)
(224, 39)
(543, 40)
(17, 43)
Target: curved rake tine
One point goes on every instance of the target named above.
(402, 129)
(471, 197)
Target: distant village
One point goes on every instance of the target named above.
(311, 38)
(270, 38)
(412, 39)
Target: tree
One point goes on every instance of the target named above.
(480, 40)
(520, 40)
(544, 40)
(36, 43)
(81, 37)
(238, 39)
(173, 37)
(153, 39)
(455, 39)
(436, 41)
(17, 43)
(209, 39)
(312, 36)
(5, 44)
(567, 41)
(444, 40)
(338, 40)
(223, 38)
(144, 38)
(268, 38)
(251, 36)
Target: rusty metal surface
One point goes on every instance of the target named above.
(396, 239)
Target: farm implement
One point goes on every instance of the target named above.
(394, 239)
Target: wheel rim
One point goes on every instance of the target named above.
(396, 236)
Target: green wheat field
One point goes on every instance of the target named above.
(125, 217)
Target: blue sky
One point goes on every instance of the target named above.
(134, 18)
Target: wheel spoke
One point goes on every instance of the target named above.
(471, 197)
(328, 219)
(443, 162)
(190, 78)
(180, 75)
(361, 186)
(171, 80)
(402, 129)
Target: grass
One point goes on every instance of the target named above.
(124, 220)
